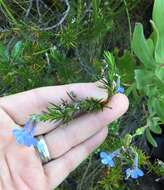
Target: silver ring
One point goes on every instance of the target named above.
(42, 149)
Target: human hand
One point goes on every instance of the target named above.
(20, 166)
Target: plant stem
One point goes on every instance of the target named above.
(8, 11)
(129, 23)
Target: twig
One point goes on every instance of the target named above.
(4, 13)
(10, 43)
(47, 58)
(88, 70)
(4, 30)
(65, 14)
(38, 9)
(46, 7)
(95, 171)
(88, 10)
(85, 173)
(29, 8)
(129, 21)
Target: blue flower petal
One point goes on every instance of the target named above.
(139, 172)
(128, 172)
(24, 138)
(20, 140)
(103, 154)
(27, 125)
(111, 163)
(134, 174)
(107, 159)
(30, 141)
(17, 131)
(104, 161)
(120, 90)
(115, 153)
(30, 127)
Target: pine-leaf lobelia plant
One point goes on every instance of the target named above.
(65, 112)
(150, 76)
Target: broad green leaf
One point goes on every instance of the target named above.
(158, 15)
(17, 50)
(139, 131)
(155, 129)
(159, 72)
(127, 140)
(159, 107)
(150, 138)
(153, 124)
(126, 65)
(143, 78)
(143, 48)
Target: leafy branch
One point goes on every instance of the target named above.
(66, 111)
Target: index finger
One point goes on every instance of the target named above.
(20, 106)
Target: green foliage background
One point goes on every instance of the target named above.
(32, 56)
(74, 49)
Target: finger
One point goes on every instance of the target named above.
(21, 105)
(61, 140)
(6, 123)
(60, 168)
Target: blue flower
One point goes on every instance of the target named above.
(107, 158)
(25, 136)
(120, 89)
(134, 173)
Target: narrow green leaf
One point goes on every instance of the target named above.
(17, 50)
(155, 33)
(153, 123)
(3, 53)
(150, 138)
(155, 129)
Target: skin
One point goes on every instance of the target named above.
(21, 167)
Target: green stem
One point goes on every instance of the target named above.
(8, 11)
(129, 22)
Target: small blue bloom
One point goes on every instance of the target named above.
(107, 158)
(25, 136)
(120, 89)
(134, 173)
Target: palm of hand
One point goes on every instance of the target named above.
(21, 167)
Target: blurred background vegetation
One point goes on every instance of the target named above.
(53, 42)
(32, 54)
